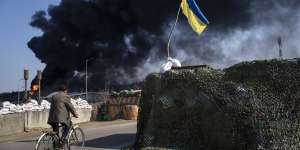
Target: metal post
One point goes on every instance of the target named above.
(39, 91)
(86, 78)
(26, 76)
(19, 90)
(39, 77)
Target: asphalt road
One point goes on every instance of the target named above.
(99, 136)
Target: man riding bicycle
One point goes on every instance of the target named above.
(60, 110)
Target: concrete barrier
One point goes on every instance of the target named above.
(12, 124)
(36, 119)
(39, 119)
(84, 116)
(18, 122)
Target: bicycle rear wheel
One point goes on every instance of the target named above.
(76, 139)
(47, 141)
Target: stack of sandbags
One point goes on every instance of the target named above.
(79, 103)
(4, 111)
(19, 108)
(8, 108)
(253, 105)
(45, 104)
(6, 104)
(5, 108)
(32, 105)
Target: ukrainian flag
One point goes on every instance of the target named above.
(194, 15)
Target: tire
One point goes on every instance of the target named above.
(76, 139)
(46, 142)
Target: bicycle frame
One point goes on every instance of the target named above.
(56, 138)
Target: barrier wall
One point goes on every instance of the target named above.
(84, 116)
(12, 123)
(39, 119)
(36, 119)
(18, 122)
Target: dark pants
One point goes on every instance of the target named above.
(65, 129)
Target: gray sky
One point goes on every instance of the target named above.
(15, 32)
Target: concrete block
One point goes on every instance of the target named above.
(36, 119)
(18, 122)
(12, 123)
(84, 116)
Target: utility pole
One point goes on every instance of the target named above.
(86, 78)
(279, 41)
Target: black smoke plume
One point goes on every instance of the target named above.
(124, 40)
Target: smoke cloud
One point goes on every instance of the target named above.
(126, 40)
(268, 21)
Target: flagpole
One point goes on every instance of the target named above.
(172, 30)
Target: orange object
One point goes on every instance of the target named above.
(113, 111)
(130, 112)
(35, 88)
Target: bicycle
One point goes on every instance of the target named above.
(50, 140)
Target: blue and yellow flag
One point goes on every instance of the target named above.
(194, 15)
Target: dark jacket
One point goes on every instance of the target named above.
(60, 109)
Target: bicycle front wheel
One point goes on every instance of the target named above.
(47, 142)
(76, 139)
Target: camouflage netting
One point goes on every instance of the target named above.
(249, 106)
